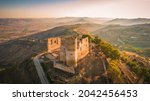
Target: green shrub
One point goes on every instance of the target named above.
(140, 70)
(96, 40)
(109, 50)
(89, 37)
(132, 64)
(114, 72)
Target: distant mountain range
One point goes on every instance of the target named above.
(129, 21)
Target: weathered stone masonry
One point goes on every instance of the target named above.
(53, 44)
(72, 49)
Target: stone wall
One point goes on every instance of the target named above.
(83, 48)
(72, 49)
(68, 51)
(53, 44)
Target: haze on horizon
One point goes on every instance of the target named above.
(74, 8)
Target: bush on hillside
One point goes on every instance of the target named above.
(107, 48)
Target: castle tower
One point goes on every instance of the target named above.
(53, 44)
(68, 51)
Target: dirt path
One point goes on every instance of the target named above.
(104, 66)
(40, 70)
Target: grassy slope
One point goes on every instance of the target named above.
(134, 38)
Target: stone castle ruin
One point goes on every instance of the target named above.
(71, 48)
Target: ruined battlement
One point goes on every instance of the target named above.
(53, 44)
(83, 48)
(72, 49)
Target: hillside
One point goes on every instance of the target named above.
(121, 68)
(16, 55)
(16, 28)
(135, 38)
(128, 22)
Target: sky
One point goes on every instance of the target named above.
(74, 8)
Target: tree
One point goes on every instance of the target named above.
(97, 40)
(115, 54)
